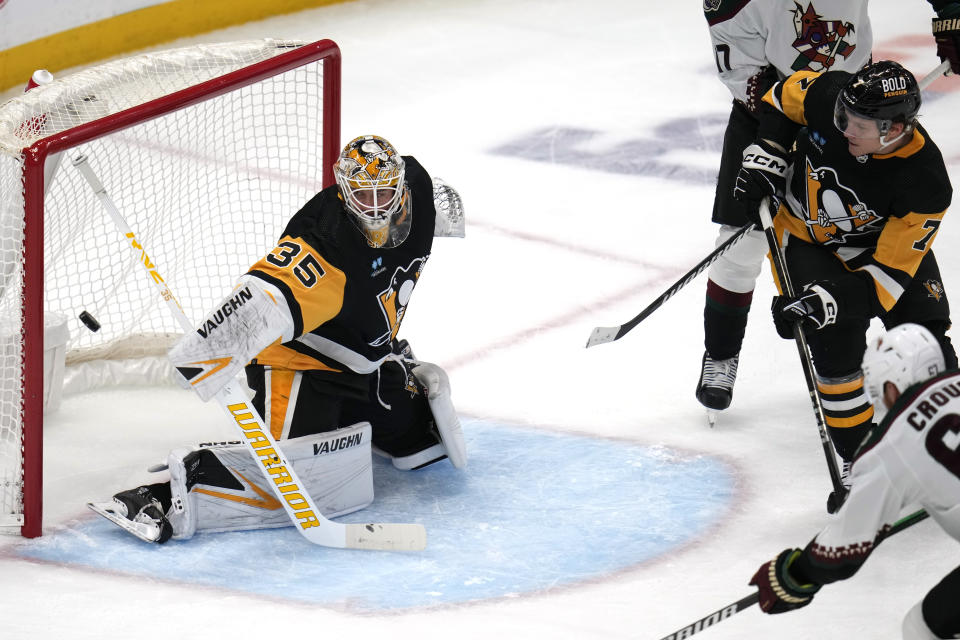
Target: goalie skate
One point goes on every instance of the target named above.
(148, 523)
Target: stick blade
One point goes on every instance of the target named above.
(602, 335)
(386, 537)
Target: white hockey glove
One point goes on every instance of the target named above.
(450, 221)
(253, 317)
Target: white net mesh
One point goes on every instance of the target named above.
(207, 189)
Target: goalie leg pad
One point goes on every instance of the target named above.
(444, 415)
(222, 488)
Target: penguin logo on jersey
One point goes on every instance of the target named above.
(820, 41)
(711, 5)
(934, 289)
(834, 211)
(394, 299)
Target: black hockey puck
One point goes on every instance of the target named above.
(89, 321)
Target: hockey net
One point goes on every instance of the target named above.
(207, 150)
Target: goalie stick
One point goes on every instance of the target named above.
(601, 335)
(743, 603)
(279, 473)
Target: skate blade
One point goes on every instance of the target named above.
(146, 532)
(712, 417)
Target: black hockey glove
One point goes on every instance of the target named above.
(779, 592)
(763, 173)
(946, 31)
(815, 307)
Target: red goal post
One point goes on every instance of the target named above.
(207, 149)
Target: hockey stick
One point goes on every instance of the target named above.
(780, 267)
(943, 69)
(743, 603)
(600, 335)
(277, 471)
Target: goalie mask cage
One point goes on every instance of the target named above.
(207, 150)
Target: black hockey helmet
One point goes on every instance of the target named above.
(883, 91)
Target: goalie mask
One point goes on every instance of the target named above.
(904, 355)
(370, 175)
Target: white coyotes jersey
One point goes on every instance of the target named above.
(912, 458)
(817, 35)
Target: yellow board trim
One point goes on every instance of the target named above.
(136, 30)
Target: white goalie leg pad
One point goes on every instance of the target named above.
(737, 269)
(334, 466)
(444, 415)
(251, 318)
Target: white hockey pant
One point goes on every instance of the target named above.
(737, 269)
(334, 467)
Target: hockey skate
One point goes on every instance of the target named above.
(136, 511)
(715, 389)
(834, 501)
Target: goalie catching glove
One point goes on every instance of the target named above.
(253, 317)
(779, 591)
(815, 307)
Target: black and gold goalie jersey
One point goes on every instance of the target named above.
(347, 299)
(878, 213)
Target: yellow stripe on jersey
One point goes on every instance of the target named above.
(315, 284)
(281, 387)
(901, 246)
(916, 143)
(904, 241)
(279, 356)
(787, 95)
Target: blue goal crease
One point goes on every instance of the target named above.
(511, 523)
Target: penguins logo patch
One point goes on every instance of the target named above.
(835, 212)
(934, 289)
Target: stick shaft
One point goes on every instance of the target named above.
(806, 362)
(748, 601)
(601, 335)
(928, 79)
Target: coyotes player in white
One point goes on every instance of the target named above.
(911, 458)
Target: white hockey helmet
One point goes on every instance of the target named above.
(370, 174)
(904, 355)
